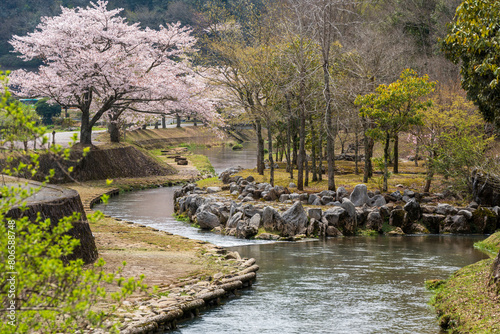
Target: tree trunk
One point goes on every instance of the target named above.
(396, 154)
(306, 172)
(371, 143)
(289, 160)
(430, 173)
(428, 181)
(270, 149)
(356, 152)
(295, 152)
(114, 131)
(302, 140)
(330, 131)
(178, 121)
(313, 151)
(289, 163)
(163, 122)
(368, 148)
(302, 153)
(416, 153)
(320, 158)
(386, 160)
(86, 129)
(260, 147)
(86, 126)
(194, 122)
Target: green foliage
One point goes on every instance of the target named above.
(18, 122)
(458, 142)
(45, 291)
(202, 163)
(472, 41)
(464, 302)
(47, 111)
(434, 284)
(490, 245)
(182, 218)
(368, 233)
(395, 108)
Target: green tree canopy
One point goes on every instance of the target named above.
(473, 41)
(394, 108)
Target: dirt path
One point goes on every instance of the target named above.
(162, 257)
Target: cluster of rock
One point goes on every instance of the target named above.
(343, 213)
(246, 190)
(185, 299)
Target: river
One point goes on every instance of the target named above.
(339, 285)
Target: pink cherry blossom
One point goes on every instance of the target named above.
(95, 61)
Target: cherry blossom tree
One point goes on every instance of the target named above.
(95, 61)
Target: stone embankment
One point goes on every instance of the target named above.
(184, 300)
(244, 208)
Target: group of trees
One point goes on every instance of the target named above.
(95, 61)
(305, 70)
(42, 290)
(310, 72)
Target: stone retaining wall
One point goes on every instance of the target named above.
(242, 207)
(56, 203)
(186, 299)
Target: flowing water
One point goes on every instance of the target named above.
(340, 285)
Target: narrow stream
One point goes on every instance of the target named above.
(340, 285)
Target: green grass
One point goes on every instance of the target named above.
(410, 176)
(465, 303)
(209, 182)
(368, 233)
(202, 163)
(263, 230)
(191, 146)
(237, 147)
(491, 245)
(182, 218)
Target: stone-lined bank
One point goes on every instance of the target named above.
(246, 209)
(186, 299)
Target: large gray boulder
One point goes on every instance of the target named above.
(312, 198)
(233, 221)
(317, 228)
(341, 193)
(327, 193)
(397, 217)
(413, 211)
(294, 220)
(326, 199)
(374, 221)
(248, 228)
(445, 209)
(225, 175)
(315, 213)
(359, 195)
(348, 206)
(432, 222)
(377, 201)
(271, 219)
(332, 216)
(207, 220)
(455, 224)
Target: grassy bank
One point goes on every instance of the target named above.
(411, 177)
(465, 303)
